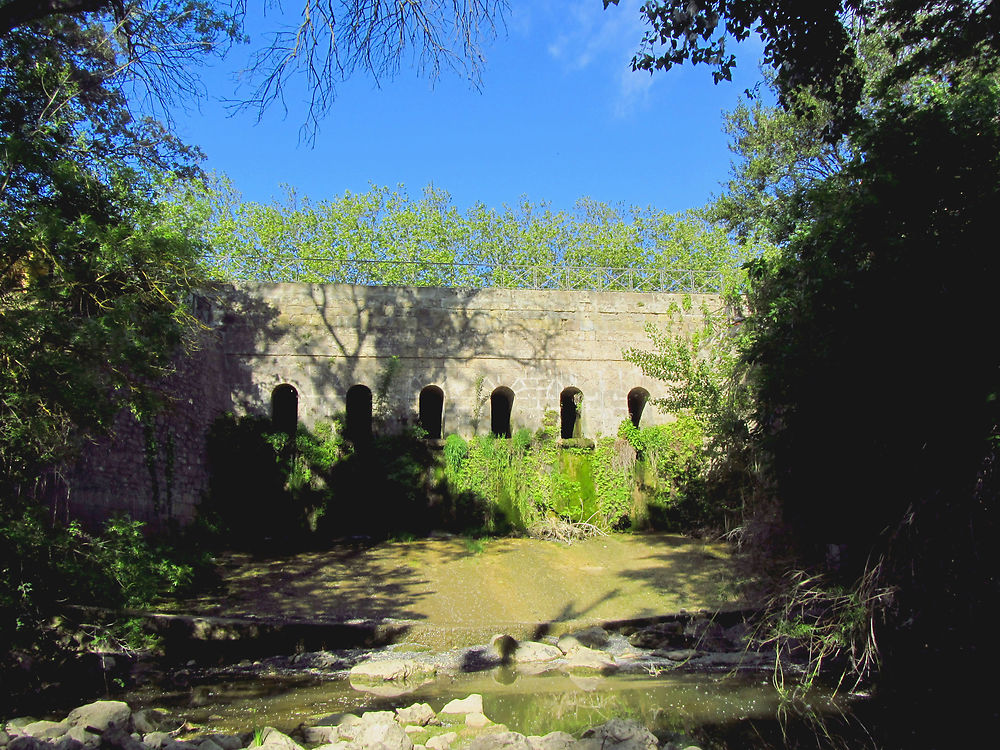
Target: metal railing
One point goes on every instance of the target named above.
(465, 275)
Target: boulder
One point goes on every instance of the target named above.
(469, 705)
(350, 732)
(623, 734)
(156, 740)
(85, 738)
(225, 741)
(568, 644)
(662, 635)
(336, 720)
(378, 717)
(386, 689)
(420, 714)
(585, 660)
(319, 735)
(26, 742)
(116, 738)
(441, 741)
(477, 720)
(209, 744)
(510, 650)
(16, 726)
(154, 720)
(173, 744)
(67, 743)
(391, 670)
(552, 741)
(500, 741)
(100, 715)
(46, 730)
(272, 738)
(385, 736)
(680, 654)
(593, 637)
(531, 651)
(706, 635)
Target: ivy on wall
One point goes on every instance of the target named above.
(266, 484)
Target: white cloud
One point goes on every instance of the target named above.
(584, 36)
(633, 91)
(520, 20)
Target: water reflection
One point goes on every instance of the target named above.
(720, 711)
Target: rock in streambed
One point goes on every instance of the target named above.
(459, 724)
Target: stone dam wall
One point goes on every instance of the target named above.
(467, 361)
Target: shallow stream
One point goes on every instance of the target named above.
(716, 710)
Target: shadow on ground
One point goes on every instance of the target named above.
(451, 592)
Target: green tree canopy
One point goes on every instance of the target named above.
(385, 236)
(813, 46)
(91, 282)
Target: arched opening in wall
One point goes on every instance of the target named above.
(637, 399)
(285, 409)
(430, 407)
(358, 422)
(501, 405)
(570, 413)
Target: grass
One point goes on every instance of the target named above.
(474, 545)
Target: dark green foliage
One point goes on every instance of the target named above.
(91, 283)
(383, 488)
(42, 568)
(321, 487)
(673, 469)
(812, 46)
(779, 154)
(464, 509)
(265, 485)
(92, 305)
(871, 394)
(709, 469)
(499, 473)
(806, 45)
(263, 488)
(876, 383)
(869, 340)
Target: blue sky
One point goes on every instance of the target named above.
(559, 115)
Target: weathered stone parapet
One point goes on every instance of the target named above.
(325, 339)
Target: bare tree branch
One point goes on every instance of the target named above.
(335, 39)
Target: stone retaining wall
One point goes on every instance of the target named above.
(322, 340)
